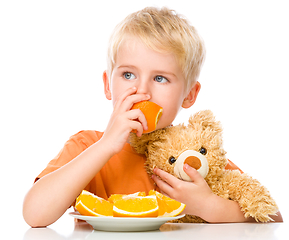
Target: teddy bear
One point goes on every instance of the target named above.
(199, 144)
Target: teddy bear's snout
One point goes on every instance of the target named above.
(193, 159)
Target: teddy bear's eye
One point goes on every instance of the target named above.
(203, 151)
(172, 160)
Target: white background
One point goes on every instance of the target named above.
(53, 53)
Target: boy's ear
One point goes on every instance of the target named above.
(106, 84)
(192, 96)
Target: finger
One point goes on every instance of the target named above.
(163, 186)
(130, 121)
(138, 121)
(132, 99)
(137, 115)
(137, 128)
(123, 96)
(193, 173)
(168, 178)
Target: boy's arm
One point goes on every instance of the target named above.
(52, 194)
(220, 210)
(201, 201)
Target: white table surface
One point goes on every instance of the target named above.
(66, 228)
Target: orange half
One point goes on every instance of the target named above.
(152, 112)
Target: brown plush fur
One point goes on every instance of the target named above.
(204, 131)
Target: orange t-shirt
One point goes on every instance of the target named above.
(124, 173)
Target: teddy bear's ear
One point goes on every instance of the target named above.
(203, 120)
(141, 144)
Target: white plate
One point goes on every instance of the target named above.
(123, 224)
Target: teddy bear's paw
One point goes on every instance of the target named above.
(262, 211)
(194, 159)
(261, 217)
(253, 198)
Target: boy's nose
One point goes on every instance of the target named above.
(143, 87)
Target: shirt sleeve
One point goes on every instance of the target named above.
(72, 148)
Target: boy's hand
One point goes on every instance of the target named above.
(123, 120)
(195, 194)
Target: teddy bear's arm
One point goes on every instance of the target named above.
(253, 198)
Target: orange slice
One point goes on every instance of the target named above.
(115, 197)
(167, 207)
(132, 205)
(152, 112)
(136, 206)
(91, 205)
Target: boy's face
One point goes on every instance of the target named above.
(152, 73)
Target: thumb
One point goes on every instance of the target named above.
(193, 173)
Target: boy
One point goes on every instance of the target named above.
(153, 55)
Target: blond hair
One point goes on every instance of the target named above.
(165, 31)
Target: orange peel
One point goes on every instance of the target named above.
(152, 112)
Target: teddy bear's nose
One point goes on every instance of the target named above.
(194, 162)
(194, 159)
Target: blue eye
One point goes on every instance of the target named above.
(129, 76)
(161, 79)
